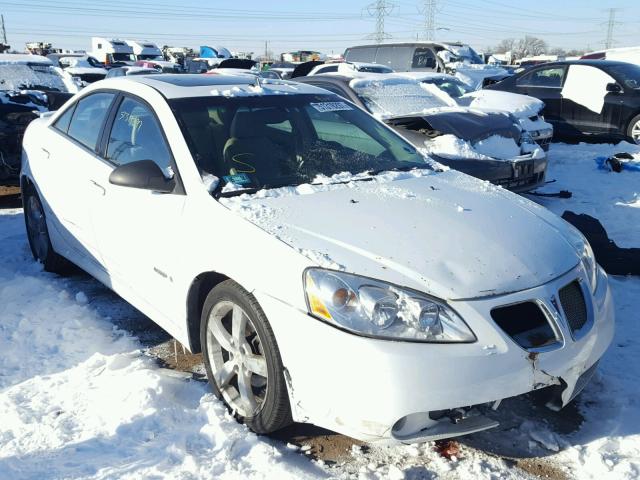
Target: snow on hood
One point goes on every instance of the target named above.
(446, 234)
(521, 106)
(495, 147)
(85, 70)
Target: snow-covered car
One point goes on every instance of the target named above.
(83, 68)
(29, 85)
(131, 70)
(488, 145)
(328, 272)
(528, 110)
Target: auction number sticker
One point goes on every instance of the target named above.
(331, 106)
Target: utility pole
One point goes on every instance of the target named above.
(380, 9)
(430, 19)
(610, 26)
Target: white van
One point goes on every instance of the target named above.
(110, 51)
(147, 54)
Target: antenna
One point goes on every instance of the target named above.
(380, 9)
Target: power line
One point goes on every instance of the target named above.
(380, 9)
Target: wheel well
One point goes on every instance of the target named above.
(198, 291)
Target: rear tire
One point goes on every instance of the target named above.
(38, 233)
(633, 130)
(242, 359)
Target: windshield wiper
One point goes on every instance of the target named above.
(406, 168)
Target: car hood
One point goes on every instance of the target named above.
(465, 123)
(520, 106)
(446, 234)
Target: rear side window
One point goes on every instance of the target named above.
(396, 57)
(136, 135)
(63, 122)
(543, 77)
(88, 118)
(365, 55)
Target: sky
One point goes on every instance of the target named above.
(328, 26)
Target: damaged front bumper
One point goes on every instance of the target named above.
(393, 391)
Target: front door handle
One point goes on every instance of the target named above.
(45, 151)
(100, 187)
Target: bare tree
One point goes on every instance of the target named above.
(505, 46)
(523, 47)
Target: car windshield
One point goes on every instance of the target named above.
(122, 57)
(465, 53)
(15, 76)
(628, 73)
(395, 97)
(452, 86)
(150, 57)
(276, 140)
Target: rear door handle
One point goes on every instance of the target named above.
(100, 187)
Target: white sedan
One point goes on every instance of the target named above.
(328, 272)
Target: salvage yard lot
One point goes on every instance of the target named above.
(84, 395)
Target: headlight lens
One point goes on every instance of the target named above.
(372, 307)
(590, 265)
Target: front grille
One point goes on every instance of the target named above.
(525, 323)
(574, 305)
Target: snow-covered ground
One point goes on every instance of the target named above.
(80, 397)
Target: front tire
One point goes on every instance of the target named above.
(633, 130)
(38, 233)
(242, 358)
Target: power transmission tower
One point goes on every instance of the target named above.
(380, 9)
(610, 26)
(4, 32)
(430, 19)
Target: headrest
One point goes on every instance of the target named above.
(250, 123)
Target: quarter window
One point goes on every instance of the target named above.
(543, 77)
(88, 117)
(63, 122)
(136, 135)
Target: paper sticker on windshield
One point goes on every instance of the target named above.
(331, 106)
(238, 179)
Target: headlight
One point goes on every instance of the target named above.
(371, 307)
(590, 265)
(525, 137)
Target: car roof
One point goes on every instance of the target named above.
(197, 85)
(594, 63)
(17, 58)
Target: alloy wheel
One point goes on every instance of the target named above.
(236, 357)
(635, 132)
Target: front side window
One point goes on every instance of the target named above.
(543, 77)
(136, 135)
(88, 118)
(628, 73)
(273, 140)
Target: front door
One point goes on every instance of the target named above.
(587, 104)
(138, 231)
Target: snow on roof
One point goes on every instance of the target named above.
(194, 85)
(17, 58)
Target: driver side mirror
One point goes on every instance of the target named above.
(614, 88)
(143, 174)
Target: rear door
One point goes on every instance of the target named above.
(138, 231)
(69, 151)
(546, 84)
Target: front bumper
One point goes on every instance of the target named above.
(363, 387)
